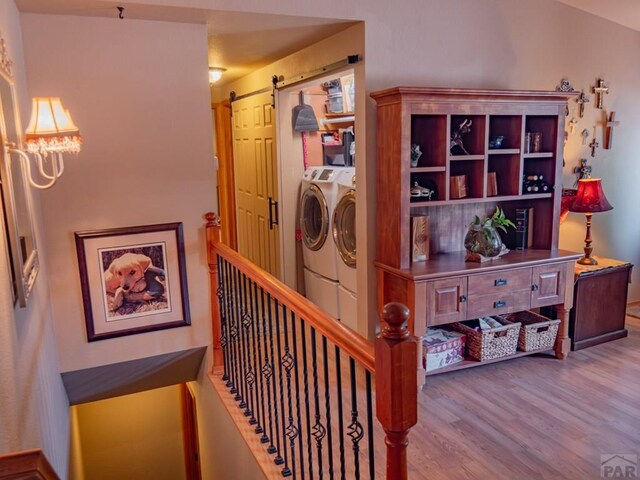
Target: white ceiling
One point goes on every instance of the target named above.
(624, 12)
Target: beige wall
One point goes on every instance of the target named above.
(134, 436)
(138, 91)
(33, 403)
(223, 452)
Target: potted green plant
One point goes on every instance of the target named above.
(483, 236)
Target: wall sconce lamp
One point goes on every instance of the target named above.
(51, 131)
(590, 199)
(215, 73)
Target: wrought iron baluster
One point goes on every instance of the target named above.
(318, 431)
(276, 309)
(278, 460)
(297, 380)
(249, 376)
(327, 398)
(222, 304)
(235, 333)
(305, 376)
(257, 361)
(340, 413)
(242, 380)
(232, 383)
(372, 468)
(354, 430)
(288, 362)
(267, 371)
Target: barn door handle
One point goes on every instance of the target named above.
(272, 222)
(535, 287)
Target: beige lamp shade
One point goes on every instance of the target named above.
(51, 128)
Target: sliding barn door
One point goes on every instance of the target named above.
(255, 172)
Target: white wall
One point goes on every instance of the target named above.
(138, 91)
(33, 403)
(134, 436)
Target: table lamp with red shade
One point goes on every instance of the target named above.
(590, 199)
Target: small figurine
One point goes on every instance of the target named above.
(456, 146)
(415, 154)
(419, 191)
(583, 171)
(564, 86)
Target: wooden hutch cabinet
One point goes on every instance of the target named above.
(445, 288)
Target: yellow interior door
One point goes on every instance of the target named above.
(255, 173)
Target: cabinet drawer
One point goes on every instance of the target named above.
(499, 282)
(497, 303)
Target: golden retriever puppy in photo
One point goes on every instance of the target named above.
(125, 279)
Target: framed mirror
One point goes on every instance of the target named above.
(16, 200)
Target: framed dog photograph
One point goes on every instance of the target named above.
(133, 280)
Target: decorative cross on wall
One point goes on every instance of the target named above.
(608, 138)
(593, 145)
(584, 134)
(584, 170)
(600, 89)
(573, 123)
(581, 100)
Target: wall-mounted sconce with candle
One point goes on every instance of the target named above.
(51, 133)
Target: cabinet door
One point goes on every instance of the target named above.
(446, 300)
(547, 285)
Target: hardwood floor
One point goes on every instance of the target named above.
(531, 418)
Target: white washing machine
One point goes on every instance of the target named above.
(318, 196)
(343, 228)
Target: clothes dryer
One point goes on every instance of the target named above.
(318, 197)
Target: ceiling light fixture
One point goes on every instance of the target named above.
(51, 131)
(215, 73)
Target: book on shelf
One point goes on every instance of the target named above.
(524, 228)
(522, 237)
(419, 238)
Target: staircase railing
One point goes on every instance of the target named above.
(304, 381)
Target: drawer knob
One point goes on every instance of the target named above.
(499, 304)
(463, 298)
(535, 287)
(500, 282)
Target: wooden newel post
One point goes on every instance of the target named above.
(396, 386)
(212, 228)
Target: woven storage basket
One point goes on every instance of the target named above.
(490, 343)
(537, 332)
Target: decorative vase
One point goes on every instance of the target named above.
(483, 239)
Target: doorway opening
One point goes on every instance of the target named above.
(262, 160)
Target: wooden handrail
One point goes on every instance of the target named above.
(396, 386)
(352, 343)
(31, 464)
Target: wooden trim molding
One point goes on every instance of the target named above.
(27, 465)
(226, 189)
